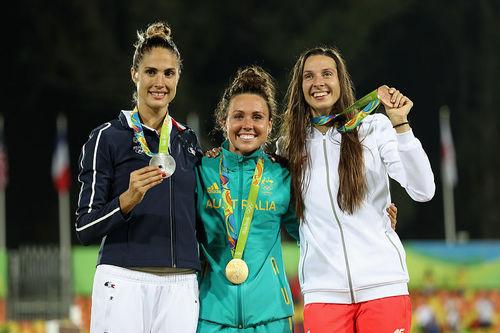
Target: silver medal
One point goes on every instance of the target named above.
(165, 162)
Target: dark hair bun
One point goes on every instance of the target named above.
(252, 78)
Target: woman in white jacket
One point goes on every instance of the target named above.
(352, 266)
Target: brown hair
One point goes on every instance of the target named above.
(248, 80)
(296, 123)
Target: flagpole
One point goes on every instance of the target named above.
(3, 225)
(65, 249)
(64, 233)
(447, 181)
(3, 243)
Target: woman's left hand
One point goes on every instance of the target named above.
(392, 211)
(401, 106)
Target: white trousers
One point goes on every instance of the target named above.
(128, 301)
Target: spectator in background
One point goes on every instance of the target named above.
(485, 310)
(425, 318)
(452, 310)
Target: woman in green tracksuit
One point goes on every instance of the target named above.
(243, 199)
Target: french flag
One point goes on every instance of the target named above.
(61, 174)
(448, 162)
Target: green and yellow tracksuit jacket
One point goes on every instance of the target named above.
(265, 296)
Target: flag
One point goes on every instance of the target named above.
(4, 166)
(448, 163)
(61, 175)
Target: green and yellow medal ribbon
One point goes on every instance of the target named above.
(237, 241)
(366, 105)
(166, 128)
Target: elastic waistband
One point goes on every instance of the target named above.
(137, 276)
(360, 295)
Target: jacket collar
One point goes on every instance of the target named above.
(233, 159)
(125, 120)
(314, 134)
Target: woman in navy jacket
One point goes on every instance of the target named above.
(143, 215)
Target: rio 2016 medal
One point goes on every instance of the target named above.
(236, 271)
(165, 162)
(384, 96)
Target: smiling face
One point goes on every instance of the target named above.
(320, 84)
(156, 79)
(248, 123)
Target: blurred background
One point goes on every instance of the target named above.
(68, 71)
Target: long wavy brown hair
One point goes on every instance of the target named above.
(296, 124)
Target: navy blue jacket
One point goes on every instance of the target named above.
(160, 230)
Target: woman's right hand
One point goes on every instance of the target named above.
(141, 180)
(214, 152)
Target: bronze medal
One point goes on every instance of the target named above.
(236, 271)
(384, 96)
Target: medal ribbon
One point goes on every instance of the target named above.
(237, 242)
(166, 128)
(367, 104)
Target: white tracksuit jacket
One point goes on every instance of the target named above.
(354, 258)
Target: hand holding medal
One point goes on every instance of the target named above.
(397, 109)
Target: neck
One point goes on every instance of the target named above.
(322, 128)
(316, 113)
(321, 112)
(239, 152)
(152, 117)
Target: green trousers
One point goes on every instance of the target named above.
(278, 326)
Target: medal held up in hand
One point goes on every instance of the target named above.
(163, 159)
(165, 162)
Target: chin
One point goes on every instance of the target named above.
(245, 150)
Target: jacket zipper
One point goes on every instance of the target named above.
(172, 229)
(239, 298)
(240, 307)
(303, 262)
(397, 251)
(349, 278)
(175, 139)
(171, 213)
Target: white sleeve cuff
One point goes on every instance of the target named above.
(407, 141)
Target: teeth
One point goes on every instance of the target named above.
(247, 136)
(156, 94)
(320, 94)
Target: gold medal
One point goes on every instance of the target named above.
(236, 271)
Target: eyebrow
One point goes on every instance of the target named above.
(323, 69)
(166, 69)
(253, 112)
